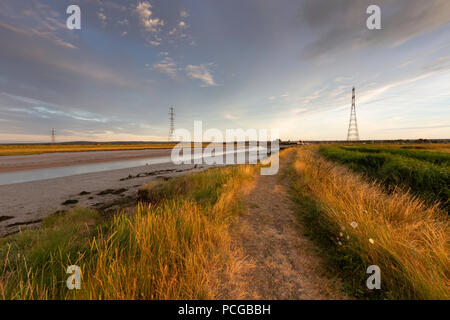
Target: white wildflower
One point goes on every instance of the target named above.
(354, 224)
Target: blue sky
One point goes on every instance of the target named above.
(281, 64)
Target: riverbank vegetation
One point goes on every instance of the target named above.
(169, 247)
(359, 224)
(426, 174)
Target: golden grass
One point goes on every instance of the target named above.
(408, 240)
(167, 251)
(13, 150)
(29, 149)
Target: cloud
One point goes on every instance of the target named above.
(42, 109)
(169, 67)
(181, 26)
(102, 18)
(184, 14)
(342, 79)
(341, 24)
(202, 73)
(230, 116)
(123, 22)
(40, 21)
(166, 66)
(151, 24)
(299, 110)
(179, 30)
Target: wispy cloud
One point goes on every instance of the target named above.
(230, 116)
(166, 66)
(42, 109)
(41, 21)
(340, 24)
(201, 72)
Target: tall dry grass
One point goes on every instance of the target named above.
(29, 149)
(166, 251)
(408, 240)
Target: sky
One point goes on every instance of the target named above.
(250, 64)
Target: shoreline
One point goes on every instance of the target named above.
(24, 205)
(10, 164)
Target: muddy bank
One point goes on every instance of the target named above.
(24, 205)
(61, 159)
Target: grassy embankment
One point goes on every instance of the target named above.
(359, 224)
(15, 150)
(426, 174)
(168, 250)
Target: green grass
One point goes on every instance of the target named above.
(168, 249)
(425, 174)
(33, 263)
(439, 158)
(358, 224)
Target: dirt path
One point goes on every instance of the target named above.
(279, 261)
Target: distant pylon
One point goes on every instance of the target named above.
(353, 134)
(172, 124)
(53, 136)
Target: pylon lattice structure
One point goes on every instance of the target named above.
(172, 124)
(53, 136)
(353, 134)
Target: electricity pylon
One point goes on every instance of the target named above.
(172, 124)
(353, 134)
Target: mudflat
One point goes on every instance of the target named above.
(61, 159)
(24, 205)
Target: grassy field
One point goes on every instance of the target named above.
(426, 174)
(358, 224)
(433, 147)
(169, 248)
(176, 243)
(15, 150)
